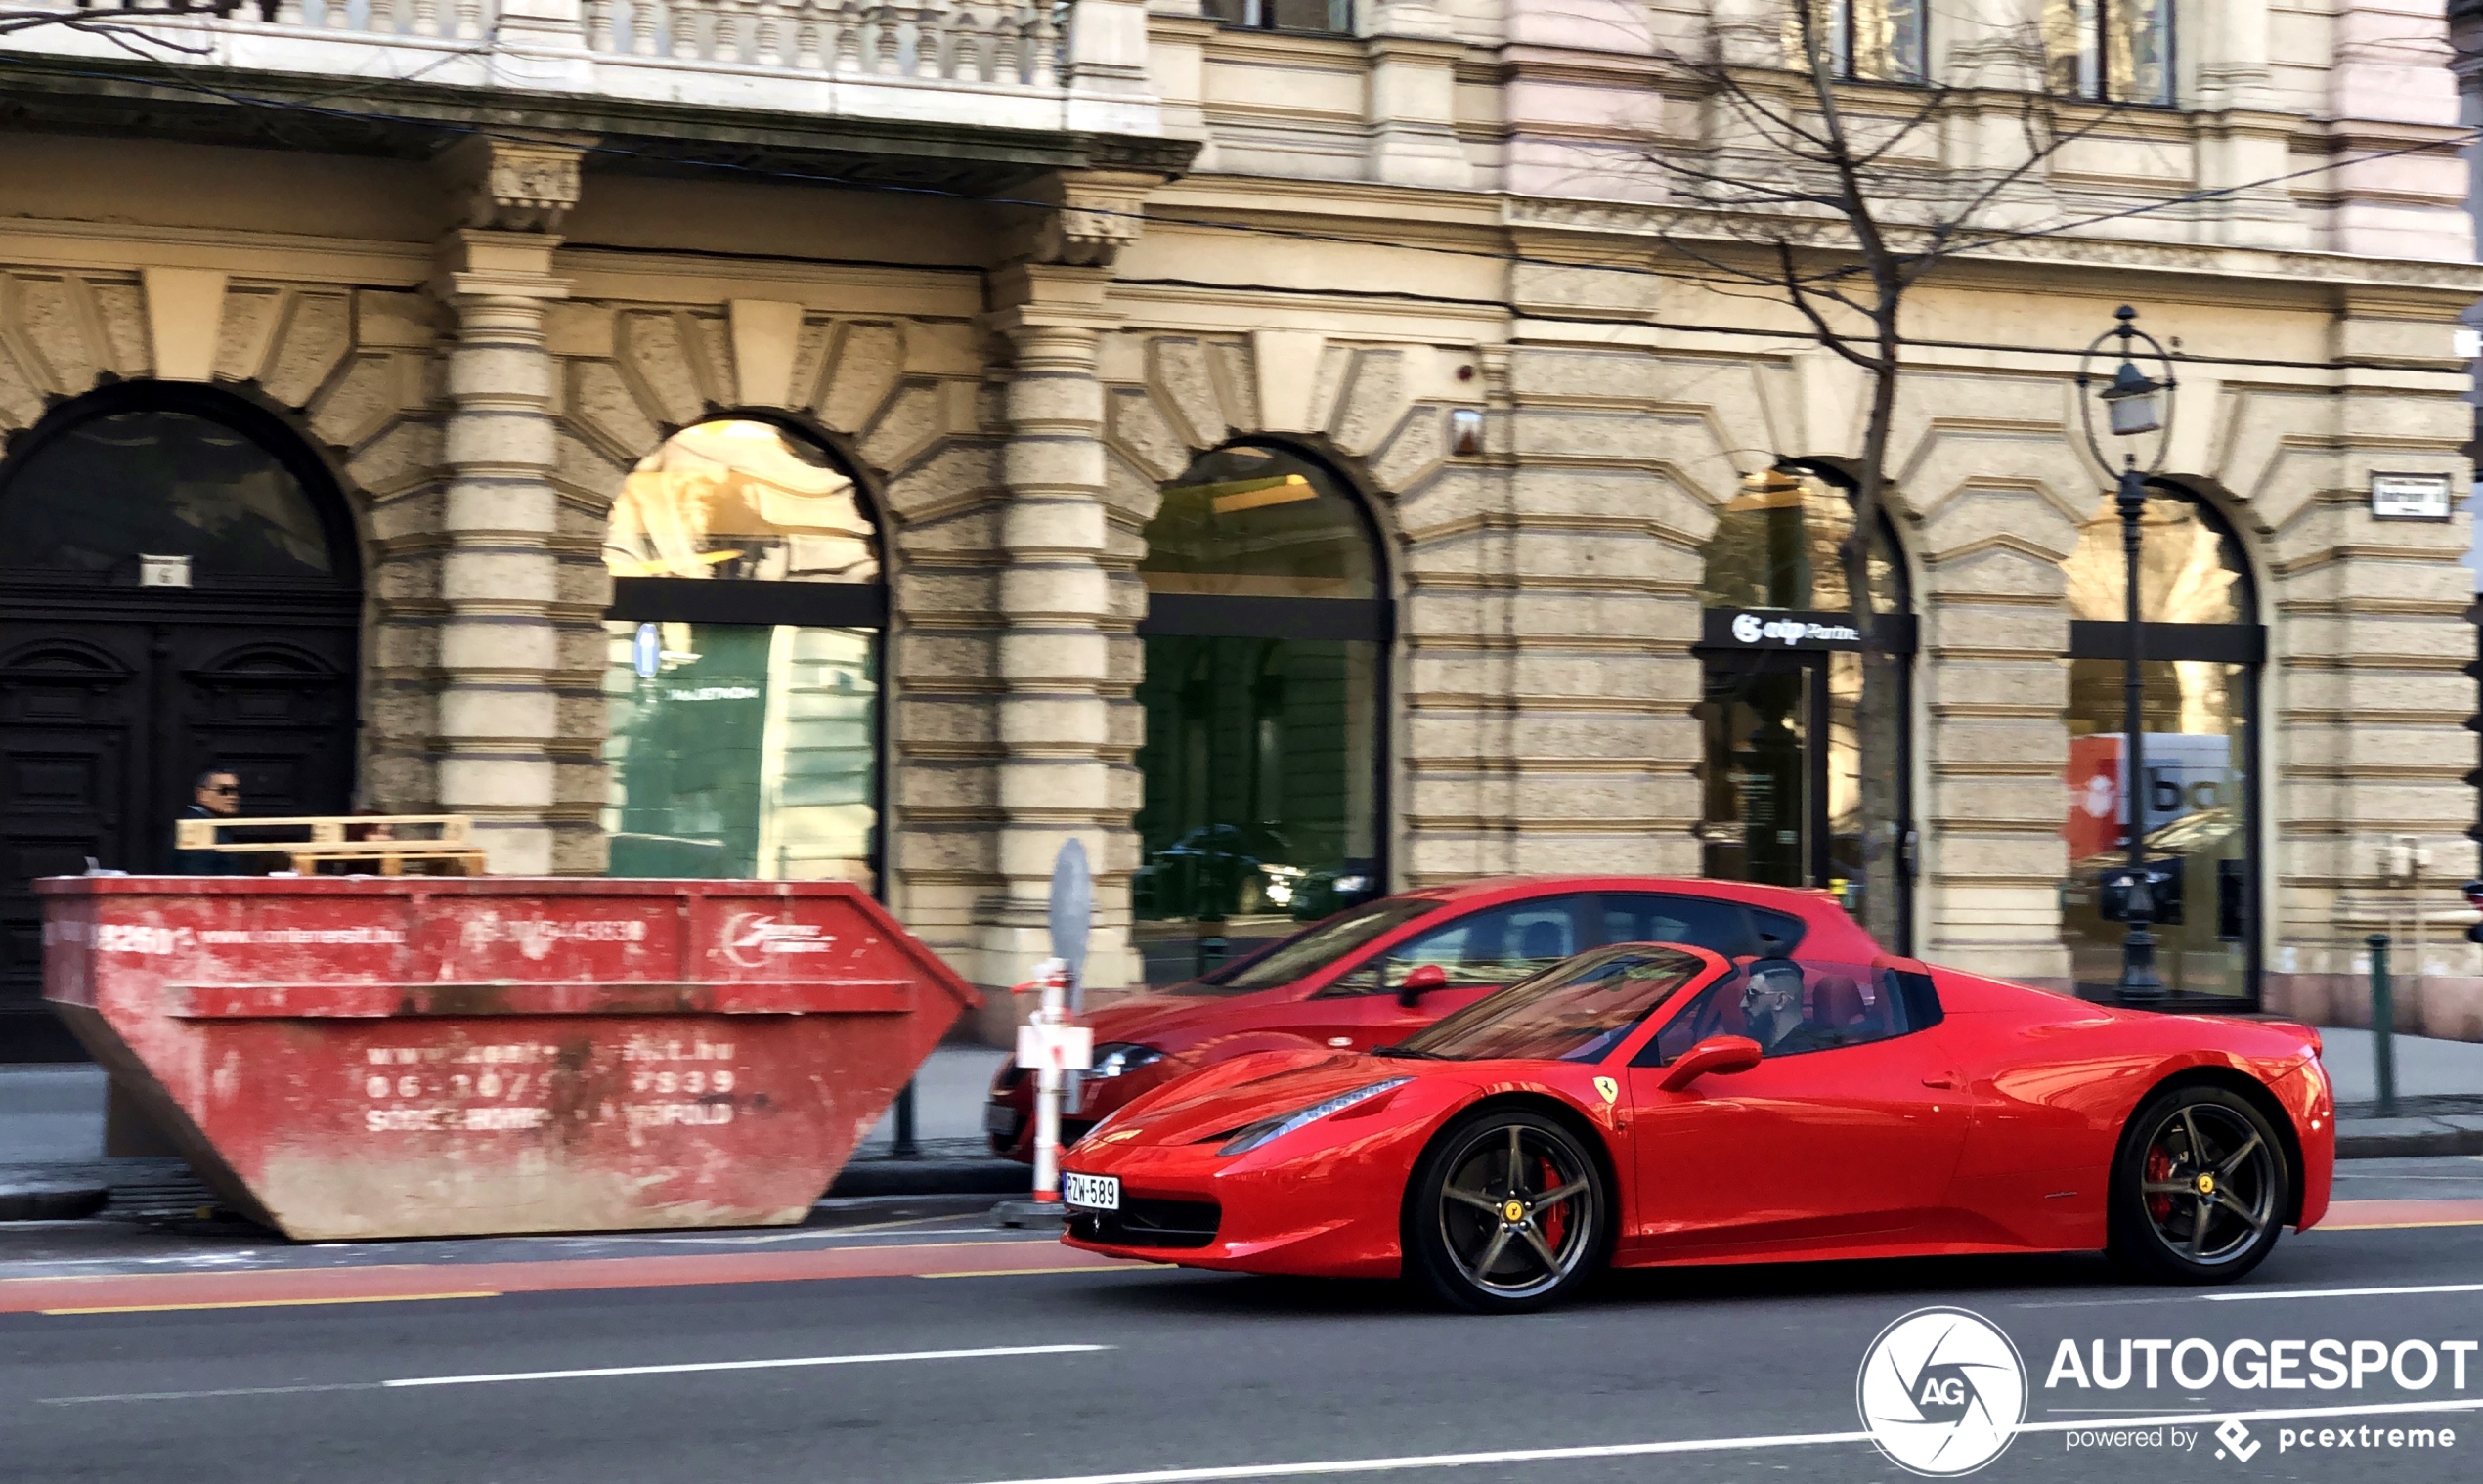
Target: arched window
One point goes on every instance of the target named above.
(2202, 648)
(744, 669)
(1266, 654)
(180, 590)
(1796, 764)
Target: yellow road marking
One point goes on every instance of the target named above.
(276, 1303)
(1030, 1272)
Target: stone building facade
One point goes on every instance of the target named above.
(1014, 286)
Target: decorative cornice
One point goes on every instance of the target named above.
(508, 184)
(1706, 225)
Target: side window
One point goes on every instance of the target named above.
(1702, 922)
(1790, 1007)
(1497, 945)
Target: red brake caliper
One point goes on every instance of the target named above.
(2159, 1168)
(1554, 1221)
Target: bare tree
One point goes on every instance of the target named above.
(1818, 196)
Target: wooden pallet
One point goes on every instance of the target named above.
(324, 848)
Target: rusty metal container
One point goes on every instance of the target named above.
(347, 1057)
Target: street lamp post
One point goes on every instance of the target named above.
(2134, 405)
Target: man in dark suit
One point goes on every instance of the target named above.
(217, 795)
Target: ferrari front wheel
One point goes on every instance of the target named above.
(2200, 1189)
(1508, 1211)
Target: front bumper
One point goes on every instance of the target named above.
(1331, 1213)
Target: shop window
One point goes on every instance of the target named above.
(2202, 648)
(1265, 650)
(2112, 51)
(1792, 766)
(1316, 17)
(742, 670)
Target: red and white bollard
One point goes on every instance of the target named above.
(1050, 1047)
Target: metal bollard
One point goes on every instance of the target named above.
(906, 1146)
(2383, 1023)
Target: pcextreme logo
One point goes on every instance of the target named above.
(1942, 1391)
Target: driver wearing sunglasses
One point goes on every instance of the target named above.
(1771, 1009)
(216, 795)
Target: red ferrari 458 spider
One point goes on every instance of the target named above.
(1651, 1104)
(1384, 970)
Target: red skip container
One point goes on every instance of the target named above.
(434, 1056)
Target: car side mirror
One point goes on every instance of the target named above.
(1717, 1054)
(1422, 978)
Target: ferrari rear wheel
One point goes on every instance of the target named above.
(2200, 1189)
(1507, 1213)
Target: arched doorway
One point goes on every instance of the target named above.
(179, 589)
(2203, 646)
(743, 661)
(1793, 762)
(1266, 642)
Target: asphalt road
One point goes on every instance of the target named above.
(1201, 1372)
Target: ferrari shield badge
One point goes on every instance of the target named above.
(1610, 1089)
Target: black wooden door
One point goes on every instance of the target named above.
(108, 711)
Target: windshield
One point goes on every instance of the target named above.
(1317, 947)
(1574, 1012)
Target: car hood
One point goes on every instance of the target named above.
(1174, 1022)
(1247, 1088)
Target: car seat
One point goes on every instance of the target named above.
(1837, 1004)
(1543, 941)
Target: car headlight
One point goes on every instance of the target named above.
(1113, 1058)
(1248, 1138)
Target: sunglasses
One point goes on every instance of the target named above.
(221, 788)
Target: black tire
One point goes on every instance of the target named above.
(2174, 1216)
(1463, 1247)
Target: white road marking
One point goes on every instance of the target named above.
(1413, 1462)
(597, 1372)
(2435, 1287)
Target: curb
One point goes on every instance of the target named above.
(930, 1177)
(51, 1200)
(2412, 1144)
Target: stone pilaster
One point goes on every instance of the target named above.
(1055, 776)
(1411, 105)
(500, 649)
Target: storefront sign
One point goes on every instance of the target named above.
(2409, 497)
(1779, 629)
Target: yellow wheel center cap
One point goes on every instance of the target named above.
(1515, 1210)
(2207, 1185)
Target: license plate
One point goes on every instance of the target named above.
(1095, 1192)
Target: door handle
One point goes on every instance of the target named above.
(1944, 1081)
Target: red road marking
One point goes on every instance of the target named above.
(2379, 1215)
(20, 1296)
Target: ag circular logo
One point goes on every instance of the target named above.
(1748, 627)
(1941, 1392)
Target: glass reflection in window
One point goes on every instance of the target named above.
(1259, 522)
(1329, 16)
(2190, 571)
(2196, 814)
(742, 750)
(738, 498)
(1877, 40)
(102, 493)
(1260, 773)
(2118, 51)
(1776, 545)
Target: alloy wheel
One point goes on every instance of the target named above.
(2210, 1182)
(1517, 1212)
